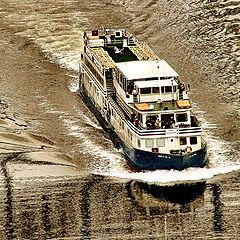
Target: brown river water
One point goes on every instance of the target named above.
(93, 194)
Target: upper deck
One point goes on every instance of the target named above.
(143, 84)
(117, 46)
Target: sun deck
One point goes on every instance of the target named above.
(103, 57)
(143, 51)
(120, 46)
(140, 51)
(121, 55)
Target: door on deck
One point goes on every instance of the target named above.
(167, 120)
(172, 142)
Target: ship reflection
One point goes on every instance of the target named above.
(96, 207)
(167, 198)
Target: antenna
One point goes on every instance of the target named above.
(172, 90)
(160, 88)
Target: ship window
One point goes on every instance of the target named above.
(118, 34)
(145, 91)
(155, 90)
(193, 140)
(121, 124)
(139, 143)
(168, 89)
(129, 134)
(149, 143)
(182, 117)
(160, 142)
(183, 141)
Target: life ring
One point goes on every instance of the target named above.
(188, 149)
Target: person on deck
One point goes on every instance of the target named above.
(172, 122)
(134, 92)
(148, 123)
(136, 122)
(157, 123)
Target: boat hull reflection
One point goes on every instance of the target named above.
(167, 197)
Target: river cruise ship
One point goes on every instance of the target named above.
(140, 100)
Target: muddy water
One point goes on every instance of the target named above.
(101, 198)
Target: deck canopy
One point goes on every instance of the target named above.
(155, 83)
(146, 69)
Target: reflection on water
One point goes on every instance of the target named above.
(182, 32)
(96, 207)
(180, 194)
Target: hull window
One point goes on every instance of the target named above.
(129, 134)
(149, 143)
(160, 142)
(139, 143)
(122, 125)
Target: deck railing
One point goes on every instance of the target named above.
(154, 132)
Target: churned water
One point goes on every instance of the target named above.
(101, 198)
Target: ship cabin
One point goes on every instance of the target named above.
(153, 94)
(141, 95)
(104, 48)
(146, 87)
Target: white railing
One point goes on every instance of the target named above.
(154, 132)
(93, 77)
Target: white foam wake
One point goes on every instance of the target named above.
(219, 153)
(172, 176)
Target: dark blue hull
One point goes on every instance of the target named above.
(143, 160)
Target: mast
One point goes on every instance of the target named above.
(160, 88)
(172, 91)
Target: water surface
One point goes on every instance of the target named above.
(102, 198)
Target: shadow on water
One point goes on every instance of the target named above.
(217, 208)
(85, 208)
(46, 211)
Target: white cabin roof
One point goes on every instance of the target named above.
(155, 83)
(146, 69)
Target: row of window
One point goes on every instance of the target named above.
(160, 142)
(95, 73)
(166, 89)
(193, 140)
